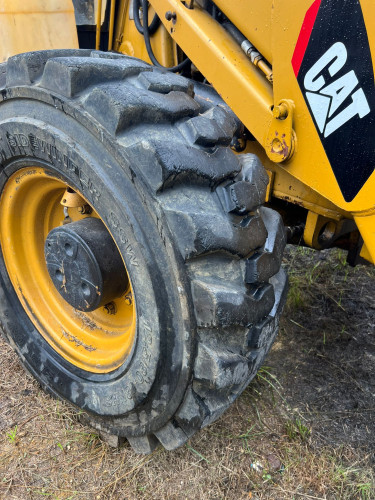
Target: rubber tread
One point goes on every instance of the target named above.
(143, 445)
(220, 305)
(210, 128)
(265, 263)
(118, 107)
(164, 165)
(25, 69)
(248, 190)
(202, 228)
(209, 198)
(69, 77)
(170, 82)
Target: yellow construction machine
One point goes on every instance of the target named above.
(155, 159)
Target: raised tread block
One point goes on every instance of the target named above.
(212, 128)
(225, 119)
(258, 335)
(166, 82)
(143, 445)
(280, 285)
(262, 334)
(221, 368)
(192, 412)
(24, 69)
(171, 436)
(221, 305)
(112, 440)
(248, 191)
(3, 75)
(98, 54)
(202, 227)
(70, 76)
(266, 263)
(118, 107)
(165, 164)
(253, 171)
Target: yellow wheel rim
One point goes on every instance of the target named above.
(30, 207)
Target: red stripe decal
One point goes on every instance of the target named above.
(304, 36)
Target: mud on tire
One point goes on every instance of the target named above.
(186, 213)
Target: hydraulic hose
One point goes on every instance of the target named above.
(154, 24)
(150, 52)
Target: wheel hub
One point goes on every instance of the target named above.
(85, 265)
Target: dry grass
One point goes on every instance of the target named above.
(272, 444)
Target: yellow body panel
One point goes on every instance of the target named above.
(253, 19)
(310, 163)
(27, 25)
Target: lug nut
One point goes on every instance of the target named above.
(110, 308)
(129, 298)
(84, 209)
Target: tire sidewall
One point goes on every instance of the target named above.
(158, 367)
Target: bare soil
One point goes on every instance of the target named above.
(305, 427)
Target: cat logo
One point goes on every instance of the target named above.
(327, 100)
(333, 66)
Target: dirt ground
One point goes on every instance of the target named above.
(304, 429)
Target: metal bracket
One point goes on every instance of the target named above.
(188, 3)
(281, 139)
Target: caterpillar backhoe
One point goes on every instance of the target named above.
(156, 157)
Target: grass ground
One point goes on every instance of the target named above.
(304, 429)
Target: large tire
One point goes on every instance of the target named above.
(202, 255)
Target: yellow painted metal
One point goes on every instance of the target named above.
(288, 188)
(281, 140)
(253, 19)
(314, 224)
(98, 24)
(71, 199)
(366, 226)
(111, 24)
(27, 25)
(30, 207)
(130, 42)
(310, 164)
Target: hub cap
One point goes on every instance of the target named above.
(85, 265)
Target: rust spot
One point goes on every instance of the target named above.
(279, 147)
(291, 200)
(24, 174)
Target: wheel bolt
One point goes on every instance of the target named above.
(84, 209)
(110, 308)
(169, 16)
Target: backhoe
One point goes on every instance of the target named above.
(155, 159)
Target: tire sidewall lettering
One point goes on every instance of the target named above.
(26, 143)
